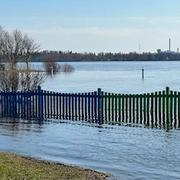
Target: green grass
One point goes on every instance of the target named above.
(13, 167)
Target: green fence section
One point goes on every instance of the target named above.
(158, 109)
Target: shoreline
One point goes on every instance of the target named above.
(13, 166)
(64, 61)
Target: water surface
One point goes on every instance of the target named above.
(122, 77)
(125, 152)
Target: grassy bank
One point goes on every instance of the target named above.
(16, 167)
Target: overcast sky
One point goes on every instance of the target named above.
(95, 25)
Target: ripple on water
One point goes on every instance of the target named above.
(125, 152)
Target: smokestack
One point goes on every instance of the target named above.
(169, 44)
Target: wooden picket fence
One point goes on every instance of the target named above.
(158, 109)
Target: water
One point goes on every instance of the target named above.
(122, 77)
(125, 152)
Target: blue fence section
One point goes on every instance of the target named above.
(40, 104)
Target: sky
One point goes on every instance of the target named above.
(95, 25)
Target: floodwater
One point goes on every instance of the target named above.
(122, 77)
(127, 153)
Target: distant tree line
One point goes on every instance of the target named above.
(132, 56)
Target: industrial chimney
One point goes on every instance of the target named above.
(169, 44)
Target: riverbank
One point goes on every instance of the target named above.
(17, 167)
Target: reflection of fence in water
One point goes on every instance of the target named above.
(159, 109)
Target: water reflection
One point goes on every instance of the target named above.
(14, 126)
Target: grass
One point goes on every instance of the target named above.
(13, 167)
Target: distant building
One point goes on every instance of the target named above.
(159, 51)
(169, 44)
(169, 51)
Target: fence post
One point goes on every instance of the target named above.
(100, 106)
(167, 105)
(6, 104)
(40, 103)
(14, 104)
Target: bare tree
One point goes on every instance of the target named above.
(34, 80)
(14, 80)
(50, 65)
(16, 47)
(9, 80)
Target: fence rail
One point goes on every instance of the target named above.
(158, 109)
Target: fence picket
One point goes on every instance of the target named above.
(116, 109)
(130, 109)
(152, 110)
(171, 109)
(89, 107)
(175, 109)
(137, 109)
(156, 109)
(164, 108)
(126, 108)
(69, 107)
(133, 109)
(123, 112)
(105, 108)
(178, 109)
(160, 108)
(141, 109)
(76, 106)
(148, 110)
(119, 112)
(85, 107)
(57, 106)
(167, 106)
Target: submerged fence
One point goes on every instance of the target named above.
(158, 109)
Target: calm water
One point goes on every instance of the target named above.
(123, 77)
(126, 152)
